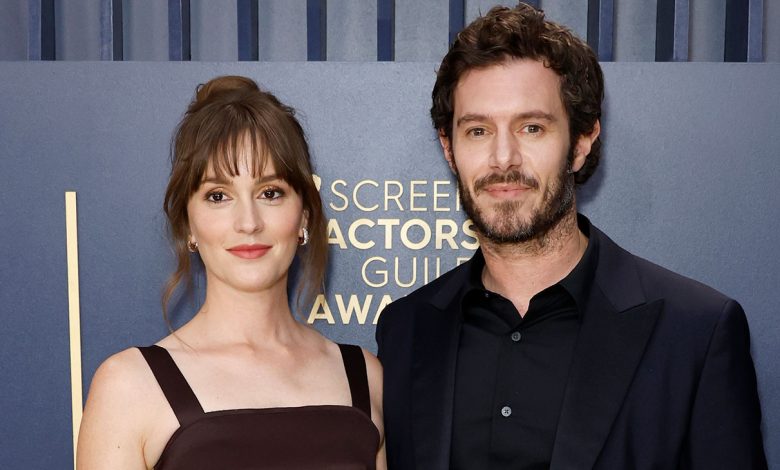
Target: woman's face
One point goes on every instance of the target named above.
(246, 228)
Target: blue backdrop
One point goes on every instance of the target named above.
(687, 181)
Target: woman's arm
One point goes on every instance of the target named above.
(111, 433)
(381, 458)
(374, 370)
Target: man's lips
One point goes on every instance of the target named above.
(249, 251)
(503, 185)
(506, 190)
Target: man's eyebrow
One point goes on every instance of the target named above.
(533, 114)
(472, 117)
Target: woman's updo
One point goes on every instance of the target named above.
(226, 115)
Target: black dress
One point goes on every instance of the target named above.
(306, 437)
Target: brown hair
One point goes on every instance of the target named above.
(523, 33)
(227, 114)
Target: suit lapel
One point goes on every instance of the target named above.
(617, 323)
(436, 337)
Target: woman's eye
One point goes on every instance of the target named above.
(216, 196)
(272, 193)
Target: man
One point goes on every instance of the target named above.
(553, 347)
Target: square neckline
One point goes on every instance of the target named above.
(189, 411)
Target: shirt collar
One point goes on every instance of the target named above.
(577, 283)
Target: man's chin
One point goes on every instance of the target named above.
(510, 217)
(504, 230)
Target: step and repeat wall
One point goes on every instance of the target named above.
(688, 180)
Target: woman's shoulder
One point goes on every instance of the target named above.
(121, 411)
(374, 372)
(122, 381)
(373, 367)
(123, 372)
(374, 376)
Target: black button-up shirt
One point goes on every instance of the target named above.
(511, 371)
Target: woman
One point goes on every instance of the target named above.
(242, 384)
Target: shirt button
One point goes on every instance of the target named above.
(487, 294)
(516, 336)
(506, 412)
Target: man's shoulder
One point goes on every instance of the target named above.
(436, 292)
(685, 307)
(682, 295)
(677, 290)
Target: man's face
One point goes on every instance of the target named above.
(511, 151)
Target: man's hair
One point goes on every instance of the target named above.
(522, 32)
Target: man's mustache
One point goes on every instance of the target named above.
(513, 176)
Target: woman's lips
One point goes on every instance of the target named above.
(249, 251)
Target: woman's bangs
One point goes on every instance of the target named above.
(236, 149)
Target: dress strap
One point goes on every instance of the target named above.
(177, 391)
(355, 366)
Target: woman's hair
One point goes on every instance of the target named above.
(523, 32)
(230, 117)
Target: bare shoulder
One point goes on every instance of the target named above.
(123, 378)
(118, 413)
(374, 369)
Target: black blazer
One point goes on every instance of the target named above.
(662, 376)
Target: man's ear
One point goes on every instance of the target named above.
(446, 146)
(583, 146)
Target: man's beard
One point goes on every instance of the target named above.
(508, 226)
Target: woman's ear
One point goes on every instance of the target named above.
(304, 219)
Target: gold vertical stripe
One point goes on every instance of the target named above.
(74, 314)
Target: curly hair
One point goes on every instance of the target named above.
(523, 33)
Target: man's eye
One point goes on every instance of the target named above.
(533, 129)
(477, 132)
(216, 196)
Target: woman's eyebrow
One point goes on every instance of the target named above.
(216, 180)
(267, 178)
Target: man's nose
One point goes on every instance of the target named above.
(507, 152)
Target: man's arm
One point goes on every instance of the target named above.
(725, 428)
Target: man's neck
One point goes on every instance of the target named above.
(520, 271)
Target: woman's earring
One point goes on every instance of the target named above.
(305, 238)
(192, 246)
